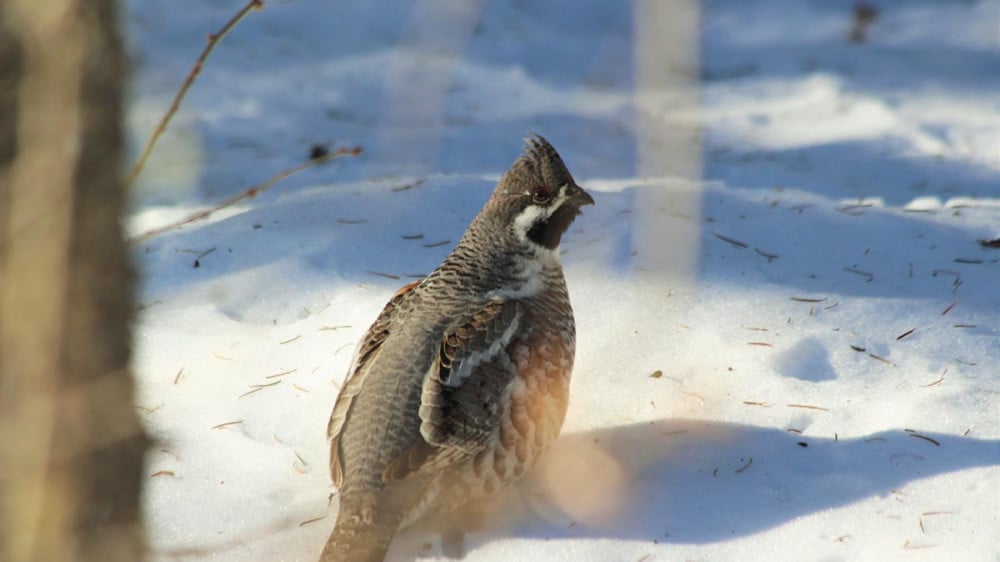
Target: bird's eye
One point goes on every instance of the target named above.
(541, 195)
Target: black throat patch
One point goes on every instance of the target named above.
(548, 232)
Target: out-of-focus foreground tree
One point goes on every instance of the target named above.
(71, 447)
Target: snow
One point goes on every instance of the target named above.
(812, 377)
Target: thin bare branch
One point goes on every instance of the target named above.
(213, 40)
(248, 194)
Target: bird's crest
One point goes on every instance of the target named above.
(539, 163)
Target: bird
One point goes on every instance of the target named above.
(462, 381)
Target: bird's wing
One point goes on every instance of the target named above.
(462, 390)
(366, 350)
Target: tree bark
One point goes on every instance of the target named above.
(71, 446)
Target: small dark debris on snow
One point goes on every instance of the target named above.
(318, 151)
(803, 444)
(732, 241)
(863, 16)
(854, 210)
(995, 243)
(656, 374)
(411, 185)
(936, 272)
(870, 276)
(807, 299)
(770, 257)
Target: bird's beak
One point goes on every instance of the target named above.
(579, 197)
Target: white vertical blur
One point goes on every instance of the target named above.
(668, 142)
(418, 81)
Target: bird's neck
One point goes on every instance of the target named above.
(503, 266)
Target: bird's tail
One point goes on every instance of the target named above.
(353, 540)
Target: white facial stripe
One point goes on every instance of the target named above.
(530, 215)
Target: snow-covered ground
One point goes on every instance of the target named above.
(815, 377)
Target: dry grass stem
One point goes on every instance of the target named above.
(924, 437)
(808, 407)
(870, 276)
(248, 194)
(950, 306)
(882, 359)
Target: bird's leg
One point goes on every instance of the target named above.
(470, 517)
(453, 543)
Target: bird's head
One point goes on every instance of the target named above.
(537, 198)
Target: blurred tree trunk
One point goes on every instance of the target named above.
(71, 447)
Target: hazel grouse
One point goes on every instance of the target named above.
(462, 382)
